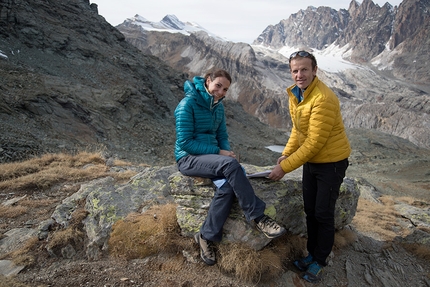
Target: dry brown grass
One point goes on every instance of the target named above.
(247, 264)
(48, 170)
(344, 238)
(377, 218)
(156, 231)
(419, 250)
(64, 237)
(254, 266)
(381, 219)
(142, 235)
(73, 234)
(24, 256)
(12, 211)
(11, 282)
(23, 207)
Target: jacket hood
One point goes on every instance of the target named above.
(196, 89)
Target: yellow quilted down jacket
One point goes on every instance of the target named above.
(318, 134)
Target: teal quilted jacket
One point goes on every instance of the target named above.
(200, 124)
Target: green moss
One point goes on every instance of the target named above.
(189, 222)
(111, 215)
(270, 211)
(95, 202)
(281, 192)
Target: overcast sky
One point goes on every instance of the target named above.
(235, 20)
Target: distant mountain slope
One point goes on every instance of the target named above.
(370, 98)
(69, 81)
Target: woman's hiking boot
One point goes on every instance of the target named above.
(207, 252)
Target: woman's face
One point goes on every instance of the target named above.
(218, 87)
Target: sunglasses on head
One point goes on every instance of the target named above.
(301, 54)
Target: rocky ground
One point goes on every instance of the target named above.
(370, 257)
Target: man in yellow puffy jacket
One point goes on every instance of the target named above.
(318, 142)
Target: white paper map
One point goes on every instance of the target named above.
(259, 174)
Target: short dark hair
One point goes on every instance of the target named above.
(303, 54)
(218, 73)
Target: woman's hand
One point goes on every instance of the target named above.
(227, 153)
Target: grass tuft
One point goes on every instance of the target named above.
(422, 251)
(344, 238)
(142, 235)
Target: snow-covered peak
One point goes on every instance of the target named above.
(171, 24)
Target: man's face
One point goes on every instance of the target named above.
(302, 72)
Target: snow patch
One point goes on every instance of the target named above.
(330, 59)
(2, 55)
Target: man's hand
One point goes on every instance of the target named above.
(281, 158)
(277, 173)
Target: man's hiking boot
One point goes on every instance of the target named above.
(303, 263)
(314, 273)
(207, 252)
(269, 227)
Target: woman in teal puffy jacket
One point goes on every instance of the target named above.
(202, 149)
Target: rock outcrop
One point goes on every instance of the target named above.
(283, 199)
(107, 202)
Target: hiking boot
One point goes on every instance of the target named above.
(269, 227)
(314, 273)
(303, 263)
(207, 252)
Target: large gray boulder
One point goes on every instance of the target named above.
(283, 199)
(107, 201)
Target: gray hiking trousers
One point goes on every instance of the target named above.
(236, 185)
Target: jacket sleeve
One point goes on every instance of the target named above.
(185, 130)
(292, 144)
(321, 119)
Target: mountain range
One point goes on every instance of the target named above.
(69, 80)
(364, 54)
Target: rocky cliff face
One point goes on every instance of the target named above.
(364, 31)
(313, 27)
(69, 81)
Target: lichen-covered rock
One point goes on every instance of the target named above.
(107, 201)
(284, 203)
